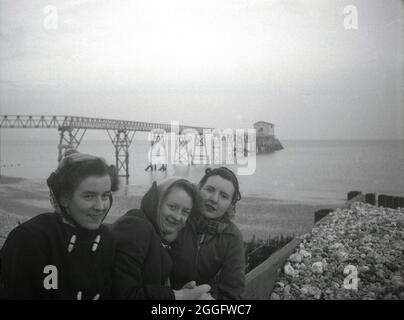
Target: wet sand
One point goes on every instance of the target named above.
(261, 217)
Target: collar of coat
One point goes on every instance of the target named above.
(209, 226)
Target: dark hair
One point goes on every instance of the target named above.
(225, 173)
(185, 185)
(66, 179)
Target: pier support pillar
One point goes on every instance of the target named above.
(182, 155)
(200, 152)
(122, 139)
(70, 138)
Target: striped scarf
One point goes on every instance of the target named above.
(210, 226)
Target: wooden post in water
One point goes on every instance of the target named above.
(353, 194)
(396, 202)
(389, 202)
(319, 214)
(400, 202)
(381, 200)
(370, 198)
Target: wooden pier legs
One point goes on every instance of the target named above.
(69, 139)
(122, 139)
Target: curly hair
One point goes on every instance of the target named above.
(66, 179)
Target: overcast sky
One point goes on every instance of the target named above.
(226, 63)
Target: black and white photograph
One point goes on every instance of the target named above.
(201, 150)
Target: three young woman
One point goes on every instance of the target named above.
(68, 253)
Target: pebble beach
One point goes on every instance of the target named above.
(352, 254)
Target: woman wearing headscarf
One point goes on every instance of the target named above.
(142, 264)
(68, 253)
(210, 248)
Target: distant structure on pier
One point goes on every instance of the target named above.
(266, 140)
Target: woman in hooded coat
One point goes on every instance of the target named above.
(68, 253)
(142, 263)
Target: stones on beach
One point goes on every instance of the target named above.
(397, 281)
(317, 267)
(305, 254)
(8, 222)
(342, 255)
(310, 290)
(290, 271)
(363, 269)
(295, 258)
(356, 253)
(275, 296)
(337, 246)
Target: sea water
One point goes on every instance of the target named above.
(305, 171)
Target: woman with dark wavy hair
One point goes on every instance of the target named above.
(68, 253)
(210, 248)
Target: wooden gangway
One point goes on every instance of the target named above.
(76, 122)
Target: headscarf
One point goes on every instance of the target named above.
(152, 200)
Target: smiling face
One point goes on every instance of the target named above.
(89, 202)
(215, 197)
(174, 211)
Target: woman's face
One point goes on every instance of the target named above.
(90, 201)
(215, 197)
(174, 211)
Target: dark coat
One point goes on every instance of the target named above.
(82, 273)
(142, 265)
(214, 259)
